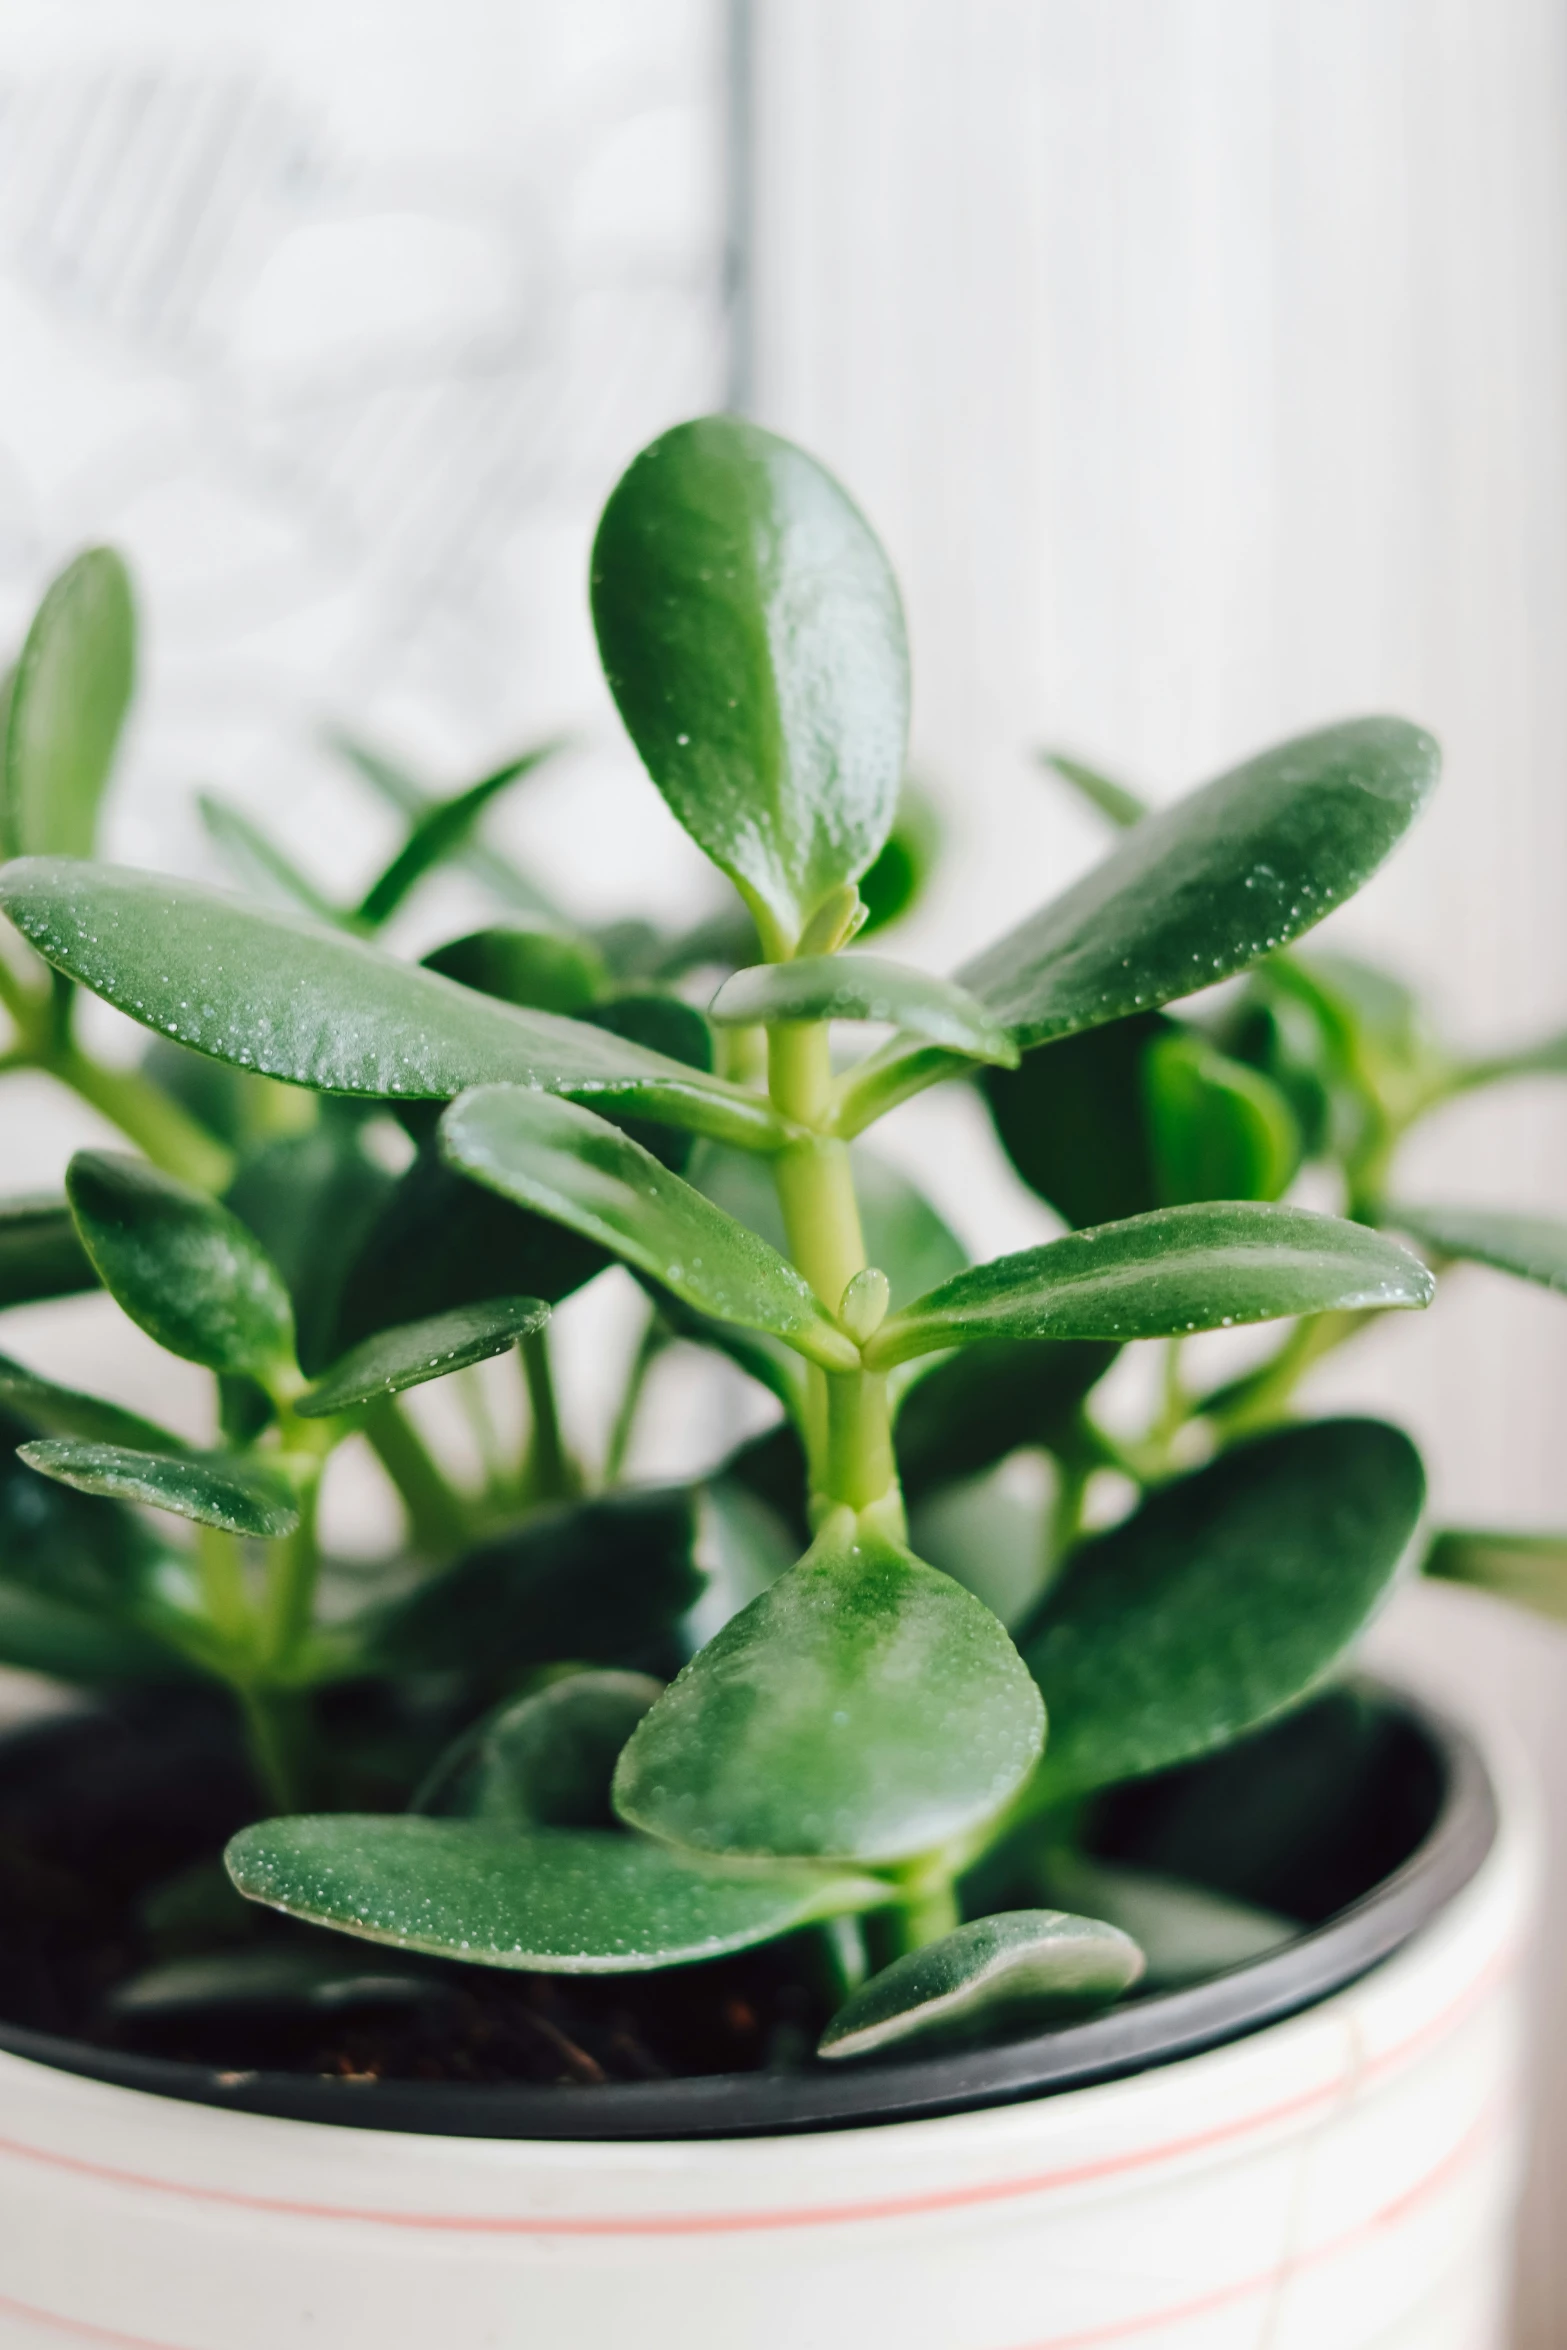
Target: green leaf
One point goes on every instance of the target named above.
(602, 1581)
(1216, 1265)
(1073, 1119)
(61, 1411)
(996, 1397)
(1219, 1131)
(1221, 1601)
(439, 1243)
(259, 864)
(863, 1707)
(69, 695)
(417, 1351)
(312, 1006)
(543, 1761)
(402, 791)
(1014, 1972)
(551, 1902)
(1199, 891)
(894, 884)
(1529, 1569)
(752, 636)
(437, 833)
(1533, 1247)
(41, 1254)
(313, 1201)
(863, 987)
(183, 1267)
(913, 1244)
(565, 1163)
(266, 1979)
(548, 970)
(235, 1495)
(1113, 800)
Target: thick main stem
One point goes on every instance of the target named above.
(849, 1431)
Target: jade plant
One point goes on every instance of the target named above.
(580, 1724)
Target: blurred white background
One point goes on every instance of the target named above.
(1203, 362)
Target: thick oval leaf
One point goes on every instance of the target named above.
(62, 1411)
(41, 1254)
(42, 1633)
(565, 1163)
(994, 1398)
(270, 1980)
(895, 883)
(417, 1351)
(604, 1580)
(235, 1495)
(69, 696)
(864, 987)
(312, 1006)
(1529, 1569)
(555, 1901)
(863, 1707)
(1213, 1266)
(1196, 892)
(1015, 1972)
(1218, 1130)
(752, 636)
(1533, 1247)
(1221, 1601)
(186, 1269)
(544, 1761)
(548, 970)
(1205, 887)
(1073, 1119)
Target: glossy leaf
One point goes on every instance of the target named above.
(554, 1901)
(1532, 1247)
(1198, 891)
(271, 1980)
(193, 1276)
(69, 695)
(895, 882)
(565, 1163)
(544, 1761)
(72, 1571)
(1212, 1266)
(1221, 1601)
(1010, 1973)
(1218, 1130)
(235, 1495)
(1528, 1569)
(993, 1398)
(752, 636)
(312, 1006)
(602, 1581)
(259, 864)
(1111, 799)
(60, 1411)
(863, 987)
(437, 832)
(41, 1254)
(415, 1352)
(863, 1707)
(548, 970)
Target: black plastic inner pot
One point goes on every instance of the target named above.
(1363, 1815)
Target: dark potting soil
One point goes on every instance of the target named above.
(113, 1901)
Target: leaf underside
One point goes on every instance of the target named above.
(1014, 1971)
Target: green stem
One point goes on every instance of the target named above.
(436, 1518)
(157, 1125)
(551, 1474)
(273, 1735)
(930, 1911)
(293, 1571)
(220, 1569)
(650, 1346)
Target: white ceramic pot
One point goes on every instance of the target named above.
(1340, 2179)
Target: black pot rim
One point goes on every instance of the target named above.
(1151, 2032)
